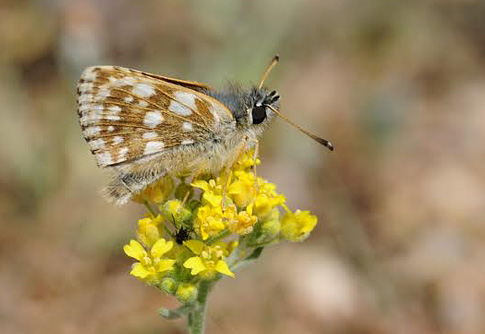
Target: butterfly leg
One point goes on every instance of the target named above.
(195, 176)
(186, 197)
(224, 189)
(255, 158)
(240, 151)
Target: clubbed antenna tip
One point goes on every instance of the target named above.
(325, 143)
(319, 140)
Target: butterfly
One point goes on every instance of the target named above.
(142, 126)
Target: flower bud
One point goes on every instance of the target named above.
(174, 210)
(271, 228)
(186, 293)
(168, 285)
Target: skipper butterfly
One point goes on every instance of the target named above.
(142, 126)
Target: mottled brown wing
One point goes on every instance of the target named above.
(188, 84)
(127, 115)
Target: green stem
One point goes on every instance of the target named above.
(196, 317)
(218, 237)
(149, 208)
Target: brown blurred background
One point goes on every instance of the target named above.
(398, 86)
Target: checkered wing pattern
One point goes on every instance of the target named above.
(127, 115)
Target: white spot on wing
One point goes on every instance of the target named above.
(103, 93)
(186, 98)
(153, 147)
(153, 118)
(114, 108)
(217, 109)
(187, 126)
(121, 153)
(143, 90)
(83, 108)
(143, 103)
(94, 113)
(129, 99)
(91, 131)
(104, 158)
(89, 74)
(85, 98)
(150, 135)
(112, 113)
(111, 128)
(86, 87)
(117, 140)
(179, 109)
(126, 81)
(96, 144)
(187, 141)
(183, 103)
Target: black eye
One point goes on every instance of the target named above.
(259, 114)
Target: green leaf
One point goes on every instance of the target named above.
(255, 254)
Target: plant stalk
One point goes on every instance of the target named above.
(196, 317)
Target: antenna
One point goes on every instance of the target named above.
(273, 63)
(319, 140)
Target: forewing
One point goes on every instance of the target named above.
(128, 115)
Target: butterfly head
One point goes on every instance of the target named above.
(258, 102)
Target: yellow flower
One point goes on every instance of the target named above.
(265, 199)
(212, 190)
(149, 230)
(174, 210)
(246, 161)
(297, 226)
(209, 261)
(211, 220)
(156, 192)
(151, 266)
(243, 190)
(243, 222)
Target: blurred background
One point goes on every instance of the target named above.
(399, 88)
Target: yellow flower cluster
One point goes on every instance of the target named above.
(151, 266)
(201, 230)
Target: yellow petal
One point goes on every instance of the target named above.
(216, 224)
(235, 188)
(139, 271)
(195, 246)
(220, 244)
(308, 220)
(142, 223)
(161, 247)
(222, 267)
(249, 209)
(204, 185)
(212, 199)
(135, 250)
(165, 265)
(204, 234)
(196, 264)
